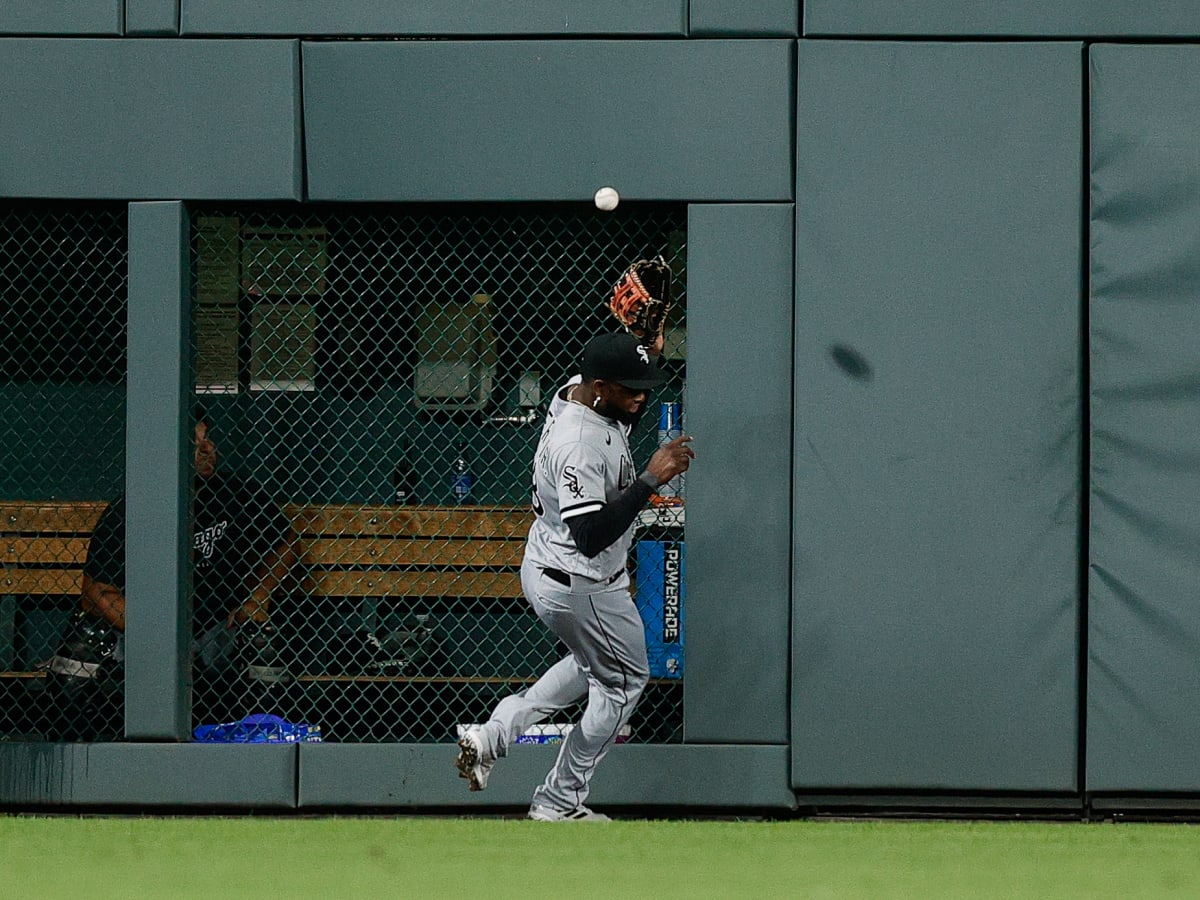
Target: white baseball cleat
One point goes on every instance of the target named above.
(578, 814)
(470, 760)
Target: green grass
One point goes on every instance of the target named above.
(350, 857)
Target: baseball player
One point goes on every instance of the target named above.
(243, 546)
(586, 497)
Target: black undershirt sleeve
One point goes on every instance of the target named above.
(594, 532)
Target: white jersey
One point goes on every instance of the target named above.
(582, 462)
(559, 402)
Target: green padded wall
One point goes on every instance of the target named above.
(1143, 611)
(738, 408)
(408, 121)
(152, 17)
(631, 775)
(159, 440)
(147, 119)
(247, 776)
(95, 17)
(558, 18)
(744, 18)
(936, 503)
(1008, 18)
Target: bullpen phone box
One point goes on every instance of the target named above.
(660, 570)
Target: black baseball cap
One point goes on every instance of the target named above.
(621, 358)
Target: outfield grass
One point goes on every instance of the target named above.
(349, 857)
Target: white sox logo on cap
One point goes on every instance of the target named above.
(623, 359)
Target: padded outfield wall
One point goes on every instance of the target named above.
(962, 580)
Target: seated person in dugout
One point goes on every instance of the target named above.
(243, 548)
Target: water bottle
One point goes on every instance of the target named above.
(461, 479)
(403, 484)
(670, 426)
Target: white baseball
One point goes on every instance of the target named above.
(607, 199)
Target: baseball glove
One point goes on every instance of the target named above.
(642, 298)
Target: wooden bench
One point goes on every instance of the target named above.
(43, 545)
(345, 550)
(403, 551)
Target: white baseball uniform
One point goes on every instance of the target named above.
(582, 462)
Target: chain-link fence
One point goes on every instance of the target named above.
(373, 384)
(375, 380)
(62, 457)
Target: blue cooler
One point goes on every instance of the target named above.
(660, 579)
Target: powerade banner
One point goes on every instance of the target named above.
(660, 580)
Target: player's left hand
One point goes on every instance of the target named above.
(671, 459)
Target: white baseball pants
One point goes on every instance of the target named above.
(601, 627)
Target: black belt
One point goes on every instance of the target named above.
(565, 580)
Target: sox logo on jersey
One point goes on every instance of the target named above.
(571, 481)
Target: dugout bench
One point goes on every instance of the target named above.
(346, 551)
(461, 562)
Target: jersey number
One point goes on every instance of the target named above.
(538, 509)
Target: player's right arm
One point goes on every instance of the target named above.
(102, 592)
